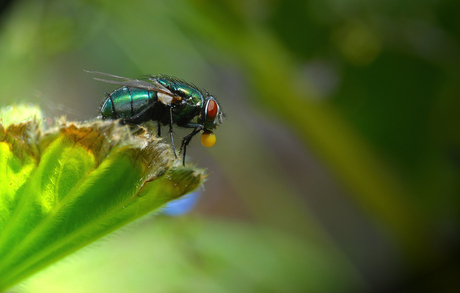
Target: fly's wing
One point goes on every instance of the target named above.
(137, 83)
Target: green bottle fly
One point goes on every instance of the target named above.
(165, 99)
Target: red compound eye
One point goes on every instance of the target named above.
(211, 110)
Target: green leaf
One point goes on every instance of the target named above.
(75, 183)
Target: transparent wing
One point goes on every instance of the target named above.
(154, 85)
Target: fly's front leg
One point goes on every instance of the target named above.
(186, 139)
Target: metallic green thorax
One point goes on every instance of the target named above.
(192, 99)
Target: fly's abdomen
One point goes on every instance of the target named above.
(129, 103)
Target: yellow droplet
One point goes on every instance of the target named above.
(208, 139)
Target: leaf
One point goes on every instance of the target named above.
(75, 183)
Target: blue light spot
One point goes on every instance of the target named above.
(181, 206)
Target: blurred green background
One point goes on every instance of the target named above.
(337, 168)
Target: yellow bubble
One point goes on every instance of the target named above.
(208, 139)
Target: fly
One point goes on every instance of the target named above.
(166, 100)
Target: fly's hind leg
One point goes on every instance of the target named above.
(136, 119)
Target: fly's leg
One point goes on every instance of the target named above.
(159, 129)
(186, 139)
(171, 131)
(133, 119)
